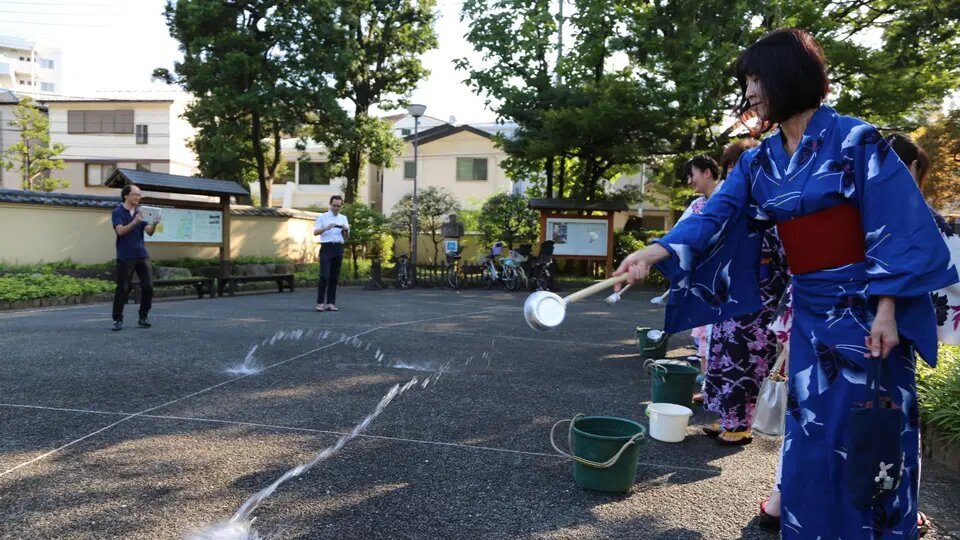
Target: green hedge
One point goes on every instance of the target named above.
(18, 287)
(939, 394)
(52, 267)
(312, 270)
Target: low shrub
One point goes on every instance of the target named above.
(19, 287)
(53, 267)
(939, 394)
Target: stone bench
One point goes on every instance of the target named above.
(203, 285)
(229, 284)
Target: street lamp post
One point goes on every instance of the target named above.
(416, 111)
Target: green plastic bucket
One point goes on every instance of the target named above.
(672, 381)
(651, 347)
(604, 450)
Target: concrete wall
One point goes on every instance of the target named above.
(84, 235)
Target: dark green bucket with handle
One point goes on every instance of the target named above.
(672, 381)
(604, 450)
(652, 346)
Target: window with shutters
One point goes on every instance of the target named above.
(119, 121)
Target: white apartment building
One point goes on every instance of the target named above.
(29, 69)
(103, 134)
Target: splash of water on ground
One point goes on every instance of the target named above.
(240, 526)
(249, 365)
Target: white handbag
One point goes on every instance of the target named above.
(769, 416)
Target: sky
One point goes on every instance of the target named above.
(114, 45)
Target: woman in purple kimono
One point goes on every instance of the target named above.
(864, 251)
(742, 349)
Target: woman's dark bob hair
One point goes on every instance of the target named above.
(702, 163)
(909, 151)
(792, 73)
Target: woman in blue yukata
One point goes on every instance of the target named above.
(864, 251)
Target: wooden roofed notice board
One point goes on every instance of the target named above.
(186, 222)
(579, 229)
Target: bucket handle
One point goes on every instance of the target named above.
(655, 369)
(606, 464)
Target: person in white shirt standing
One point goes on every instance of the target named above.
(333, 229)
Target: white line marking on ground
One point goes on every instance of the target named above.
(326, 432)
(501, 336)
(218, 385)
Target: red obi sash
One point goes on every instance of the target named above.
(825, 239)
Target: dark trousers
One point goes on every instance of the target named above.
(125, 270)
(331, 258)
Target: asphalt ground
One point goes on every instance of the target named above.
(146, 434)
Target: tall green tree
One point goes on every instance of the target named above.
(251, 82)
(508, 217)
(518, 41)
(32, 154)
(642, 81)
(377, 47)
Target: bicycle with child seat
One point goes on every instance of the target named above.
(543, 268)
(454, 271)
(405, 277)
(490, 274)
(515, 273)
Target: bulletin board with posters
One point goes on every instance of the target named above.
(580, 230)
(581, 237)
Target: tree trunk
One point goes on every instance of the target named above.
(353, 251)
(257, 136)
(352, 173)
(562, 179)
(549, 173)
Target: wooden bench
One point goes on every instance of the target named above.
(203, 285)
(229, 284)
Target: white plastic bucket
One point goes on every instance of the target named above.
(668, 422)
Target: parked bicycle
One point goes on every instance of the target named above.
(490, 274)
(405, 278)
(453, 269)
(515, 275)
(543, 268)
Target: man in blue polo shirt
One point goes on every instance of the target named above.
(131, 256)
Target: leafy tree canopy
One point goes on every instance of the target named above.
(509, 218)
(32, 154)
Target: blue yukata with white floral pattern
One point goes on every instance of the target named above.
(713, 270)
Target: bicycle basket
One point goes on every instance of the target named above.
(518, 257)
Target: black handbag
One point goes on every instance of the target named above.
(874, 464)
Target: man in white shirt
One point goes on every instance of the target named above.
(333, 229)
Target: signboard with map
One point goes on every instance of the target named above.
(581, 237)
(189, 226)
